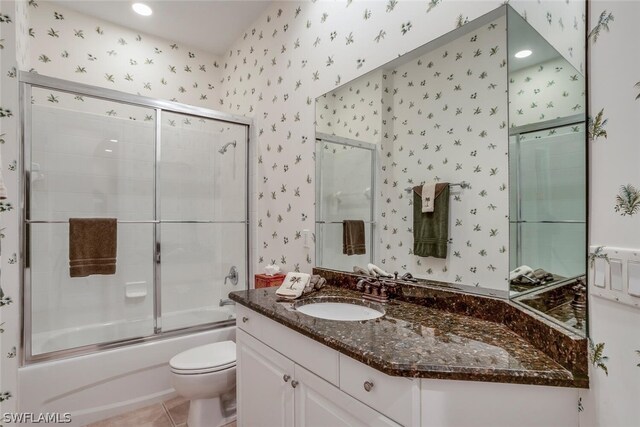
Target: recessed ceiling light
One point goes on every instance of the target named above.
(141, 9)
(523, 53)
(113, 140)
(108, 150)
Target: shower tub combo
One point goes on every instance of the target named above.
(176, 178)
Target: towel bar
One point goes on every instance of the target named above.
(463, 184)
(340, 222)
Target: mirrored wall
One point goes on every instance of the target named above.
(494, 111)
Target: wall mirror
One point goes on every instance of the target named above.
(494, 111)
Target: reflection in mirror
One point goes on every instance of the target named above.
(342, 195)
(547, 177)
(435, 115)
(493, 143)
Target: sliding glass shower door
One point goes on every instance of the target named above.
(88, 161)
(202, 207)
(174, 177)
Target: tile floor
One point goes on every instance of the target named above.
(172, 413)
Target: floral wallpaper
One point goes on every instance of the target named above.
(294, 53)
(13, 23)
(544, 92)
(72, 46)
(297, 52)
(448, 122)
(614, 214)
(354, 110)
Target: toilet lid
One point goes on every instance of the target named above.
(206, 358)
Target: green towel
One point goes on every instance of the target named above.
(431, 229)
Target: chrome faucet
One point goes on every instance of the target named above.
(226, 301)
(232, 276)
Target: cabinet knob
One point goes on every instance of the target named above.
(368, 385)
(245, 319)
(294, 383)
(286, 378)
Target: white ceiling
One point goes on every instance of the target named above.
(209, 25)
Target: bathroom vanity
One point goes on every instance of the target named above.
(434, 361)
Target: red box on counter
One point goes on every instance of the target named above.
(266, 281)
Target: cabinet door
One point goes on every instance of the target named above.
(265, 394)
(320, 404)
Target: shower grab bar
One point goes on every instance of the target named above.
(164, 221)
(463, 184)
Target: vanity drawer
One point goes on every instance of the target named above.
(248, 320)
(396, 397)
(317, 358)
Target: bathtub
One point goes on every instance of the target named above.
(45, 342)
(99, 385)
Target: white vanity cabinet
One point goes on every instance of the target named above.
(264, 384)
(288, 379)
(274, 391)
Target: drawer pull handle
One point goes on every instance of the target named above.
(368, 385)
(245, 319)
(286, 378)
(294, 383)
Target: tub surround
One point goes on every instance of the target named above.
(434, 338)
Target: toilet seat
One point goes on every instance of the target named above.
(205, 359)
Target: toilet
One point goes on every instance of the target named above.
(206, 375)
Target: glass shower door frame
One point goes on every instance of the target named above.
(319, 222)
(27, 81)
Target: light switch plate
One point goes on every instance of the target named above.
(599, 276)
(634, 278)
(615, 275)
(615, 268)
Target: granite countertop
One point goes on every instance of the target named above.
(413, 340)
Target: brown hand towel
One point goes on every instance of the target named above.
(353, 238)
(431, 230)
(92, 246)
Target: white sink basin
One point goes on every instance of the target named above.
(325, 308)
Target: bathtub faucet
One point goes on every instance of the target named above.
(232, 276)
(227, 301)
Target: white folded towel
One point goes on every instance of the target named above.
(376, 271)
(293, 285)
(360, 270)
(428, 197)
(523, 270)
